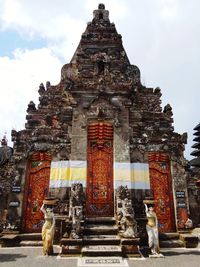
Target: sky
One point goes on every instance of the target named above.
(161, 37)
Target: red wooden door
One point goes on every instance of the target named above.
(160, 180)
(99, 200)
(37, 189)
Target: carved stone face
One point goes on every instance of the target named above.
(101, 6)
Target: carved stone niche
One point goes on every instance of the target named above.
(100, 15)
(101, 63)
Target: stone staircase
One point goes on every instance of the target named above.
(30, 240)
(13, 239)
(170, 240)
(178, 239)
(100, 238)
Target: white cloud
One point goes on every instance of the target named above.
(44, 19)
(20, 79)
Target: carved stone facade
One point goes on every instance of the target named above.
(98, 87)
(194, 179)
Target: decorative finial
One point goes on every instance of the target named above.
(101, 6)
(31, 107)
(4, 141)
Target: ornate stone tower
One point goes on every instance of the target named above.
(101, 128)
(194, 179)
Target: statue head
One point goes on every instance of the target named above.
(151, 208)
(101, 6)
(49, 210)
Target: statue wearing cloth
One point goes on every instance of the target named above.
(152, 228)
(48, 230)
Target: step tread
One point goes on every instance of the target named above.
(188, 236)
(101, 219)
(101, 237)
(172, 243)
(98, 248)
(101, 227)
(168, 236)
(8, 237)
(30, 236)
(31, 243)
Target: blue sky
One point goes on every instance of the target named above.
(161, 37)
(10, 40)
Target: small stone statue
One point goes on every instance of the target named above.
(122, 192)
(76, 196)
(125, 213)
(76, 209)
(76, 222)
(5, 151)
(48, 230)
(152, 230)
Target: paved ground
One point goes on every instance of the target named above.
(32, 257)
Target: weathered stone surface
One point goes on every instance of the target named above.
(99, 84)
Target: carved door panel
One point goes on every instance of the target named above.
(37, 190)
(99, 200)
(160, 180)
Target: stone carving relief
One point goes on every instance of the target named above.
(125, 213)
(101, 63)
(5, 154)
(76, 209)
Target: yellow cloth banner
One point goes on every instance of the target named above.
(64, 173)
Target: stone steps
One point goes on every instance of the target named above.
(30, 240)
(189, 240)
(9, 240)
(101, 220)
(176, 240)
(31, 243)
(101, 240)
(170, 240)
(169, 236)
(96, 229)
(71, 242)
(30, 236)
(106, 250)
(171, 243)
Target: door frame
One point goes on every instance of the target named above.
(37, 156)
(112, 198)
(161, 157)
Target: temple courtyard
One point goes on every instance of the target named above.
(32, 256)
